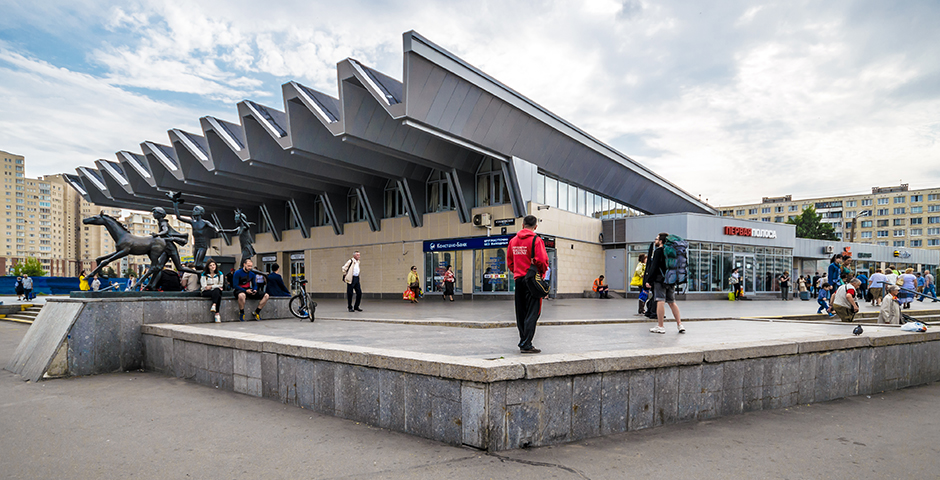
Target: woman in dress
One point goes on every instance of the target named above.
(908, 282)
(449, 283)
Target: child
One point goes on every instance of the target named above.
(823, 297)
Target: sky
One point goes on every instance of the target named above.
(732, 100)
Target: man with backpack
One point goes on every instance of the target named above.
(526, 249)
(665, 275)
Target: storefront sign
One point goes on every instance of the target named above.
(750, 232)
(864, 255)
(549, 241)
(269, 258)
(471, 243)
(296, 256)
(504, 222)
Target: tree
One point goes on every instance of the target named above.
(108, 272)
(809, 226)
(129, 273)
(30, 266)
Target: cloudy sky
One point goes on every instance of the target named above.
(732, 100)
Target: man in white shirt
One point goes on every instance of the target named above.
(892, 275)
(843, 301)
(876, 286)
(351, 277)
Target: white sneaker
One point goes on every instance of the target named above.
(218, 318)
(212, 308)
(658, 329)
(681, 329)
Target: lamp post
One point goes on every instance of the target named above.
(863, 213)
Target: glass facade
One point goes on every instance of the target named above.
(710, 265)
(435, 264)
(489, 272)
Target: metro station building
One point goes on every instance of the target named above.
(434, 170)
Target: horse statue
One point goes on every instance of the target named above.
(127, 244)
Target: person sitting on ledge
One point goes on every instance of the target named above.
(276, 287)
(246, 287)
(170, 281)
(601, 288)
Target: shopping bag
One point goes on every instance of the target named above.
(731, 296)
(408, 295)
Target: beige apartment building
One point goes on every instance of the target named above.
(42, 218)
(888, 216)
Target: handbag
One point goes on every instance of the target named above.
(538, 287)
(408, 295)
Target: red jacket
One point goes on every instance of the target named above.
(518, 256)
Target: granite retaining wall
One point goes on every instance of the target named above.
(505, 404)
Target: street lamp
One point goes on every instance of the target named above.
(863, 213)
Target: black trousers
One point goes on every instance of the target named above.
(215, 294)
(353, 287)
(528, 309)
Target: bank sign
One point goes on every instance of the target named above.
(470, 243)
(750, 232)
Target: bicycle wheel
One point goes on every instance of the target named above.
(298, 307)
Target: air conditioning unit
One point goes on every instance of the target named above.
(828, 249)
(482, 220)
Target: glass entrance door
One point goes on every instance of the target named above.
(746, 265)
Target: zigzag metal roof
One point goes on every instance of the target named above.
(445, 115)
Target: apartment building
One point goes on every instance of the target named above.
(42, 218)
(888, 216)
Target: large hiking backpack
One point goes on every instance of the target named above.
(677, 260)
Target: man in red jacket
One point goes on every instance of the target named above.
(519, 256)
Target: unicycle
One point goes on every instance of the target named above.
(300, 304)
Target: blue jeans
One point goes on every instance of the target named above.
(823, 306)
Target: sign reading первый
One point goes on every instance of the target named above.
(750, 232)
(469, 243)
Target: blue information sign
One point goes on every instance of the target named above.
(469, 243)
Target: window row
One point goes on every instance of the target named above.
(558, 194)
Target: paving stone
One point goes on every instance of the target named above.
(240, 362)
(221, 359)
(558, 365)
(666, 396)
(712, 381)
(445, 420)
(522, 426)
(254, 387)
(586, 406)
(904, 365)
(418, 406)
(473, 414)
(280, 379)
(305, 372)
(691, 390)
(367, 402)
(641, 399)
(523, 391)
(732, 388)
(253, 365)
(497, 414)
(615, 389)
(325, 392)
(866, 358)
(240, 383)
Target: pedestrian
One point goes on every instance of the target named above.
(816, 284)
(131, 281)
(822, 298)
(211, 282)
(637, 281)
(876, 286)
(27, 287)
(246, 287)
(449, 281)
(891, 275)
(190, 281)
(524, 250)
(414, 284)
(601, 288)
(228, 285)
(276, 286)
(890, 312)
(921, 281)
(351, 277)
(930, 286)
(802, 286)
(863, 294)
(843, 301)
(834, 274)
(662, 293)
(908, 283)
(83, 282)
(735, 282)
(19, 289)
(169, 281)
(95, 283)
(785, 285)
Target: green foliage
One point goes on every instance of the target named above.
(30, 267)
(108, 272)
(808, 225)
(129, 273)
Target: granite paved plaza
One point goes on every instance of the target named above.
(565, 339)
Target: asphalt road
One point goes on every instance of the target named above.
(144, 425)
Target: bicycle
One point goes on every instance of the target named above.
(300, 304)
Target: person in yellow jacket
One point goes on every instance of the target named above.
(83, 282)
(414, 283)
(637, 281)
